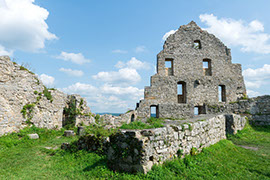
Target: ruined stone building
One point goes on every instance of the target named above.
(194, 69)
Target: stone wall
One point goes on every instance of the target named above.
(257, 109)
(21, 90)
(138, 150)
(116, 121)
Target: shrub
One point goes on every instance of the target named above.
(47, 94)
(25, 69)
(136, 125)
(193, 151)
(155, 122)
(27, 112)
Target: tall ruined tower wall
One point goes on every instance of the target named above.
(198, 63)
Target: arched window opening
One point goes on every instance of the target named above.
(132, 118)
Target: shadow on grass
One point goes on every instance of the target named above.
(267, 174)
(261, 128)
(100, 163)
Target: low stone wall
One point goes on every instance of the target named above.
(138, 150)
(116, 121)
(257, 109)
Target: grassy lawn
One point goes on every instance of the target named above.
(22, 158)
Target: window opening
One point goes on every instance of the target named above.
(181, 92)
(207, 68)
(221, 93)
(169, 67)
(197, 44)
(154, 111)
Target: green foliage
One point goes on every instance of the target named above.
(47, 94)
(190, 127)
(81, 104)
(98, 119)
(180, 152)
(70, 113)
(155, 122)
(97, 131)
(25, 69)
(27, 112)
(136, 125)
(35, 92)
(129, 111)
(150, 123)
(38, 98)
(38, 83)
(245, 97)
(193, 151)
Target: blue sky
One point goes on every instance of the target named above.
(106, 51)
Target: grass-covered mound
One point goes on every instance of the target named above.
(22, 158)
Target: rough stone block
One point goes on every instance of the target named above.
(33, 136)
(81, 131)
(69, 133)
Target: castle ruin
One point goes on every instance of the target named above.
(194, 69)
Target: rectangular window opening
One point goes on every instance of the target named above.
(181, 92)
(154, 111)
(207, 68)
(168, 64)
(180, 89)
(205, 64)
(221, 93)
(199, 110)
(196, 110)
(169, 67)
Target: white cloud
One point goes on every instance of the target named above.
(130, 90)
(167, 34)
(119, 51)
(140, 49)
(252, 93)
(80, 88)
(4, 52)
(123, 76)
(47, 80)
(133, 63)
(120, 64)
(250, 37)
(255, 78)
(73, 57)
(23, 25)
(107, 98)
(71, 72)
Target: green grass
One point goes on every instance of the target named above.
(150, 123)
(22, 158)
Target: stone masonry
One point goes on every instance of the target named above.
(191, 69)
(138, 150)
(21, 89)
(257, 109)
